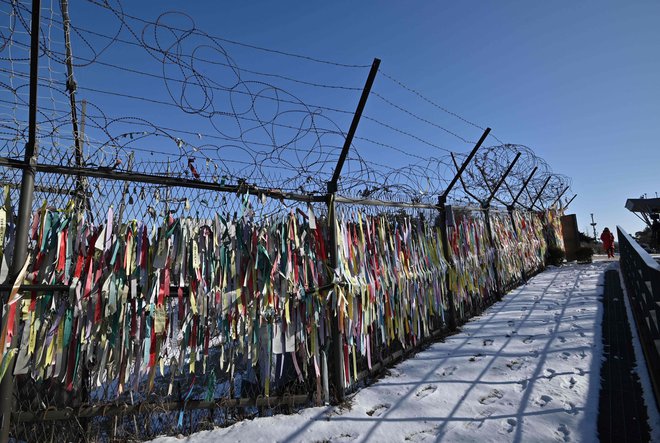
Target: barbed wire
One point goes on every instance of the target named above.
(490, 164)
(189, 105)
(188, 109)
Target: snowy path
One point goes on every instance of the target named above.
(526, 370)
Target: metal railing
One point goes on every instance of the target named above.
(641, 275)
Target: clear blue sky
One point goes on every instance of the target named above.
(575, 81)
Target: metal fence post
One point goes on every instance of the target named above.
(337, 354)
(510, 209)
(547, 180)
(82, 199)
(24, 212)
(496, 258)
(489, 229)
(336, 351)
(442, 201)
(442, 209)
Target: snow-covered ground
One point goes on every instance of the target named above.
(526, 370)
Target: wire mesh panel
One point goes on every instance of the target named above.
(552, 228)
(533, 243)
(508, 259)
(186, 308)
(393, 285)
(207, 299)
(472, 273)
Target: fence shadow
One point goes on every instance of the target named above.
(567, 321)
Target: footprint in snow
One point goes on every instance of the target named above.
(579, 371)
(478, 423)
(378, 410)
(570, 383)
(565, 355)
(492, 397)
(476, 357)
(575, 327)
(529, 339)
(344, 437)
(449, 370)
(543, 400)
(570, 408)
(488, 342)
(514, 365)
(549, 373)
(522, 385)
(473, 425)
(394, 372)
(509, 425)
(422, 435)
(563, 433)
(426, 391)
(562, 339)
(510, 323)
(486, 413)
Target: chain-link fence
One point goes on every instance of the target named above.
(118, 347)
(193, 261)
(240, 314)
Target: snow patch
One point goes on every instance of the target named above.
(512, 374)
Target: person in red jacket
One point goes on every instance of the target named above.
(608, 242)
